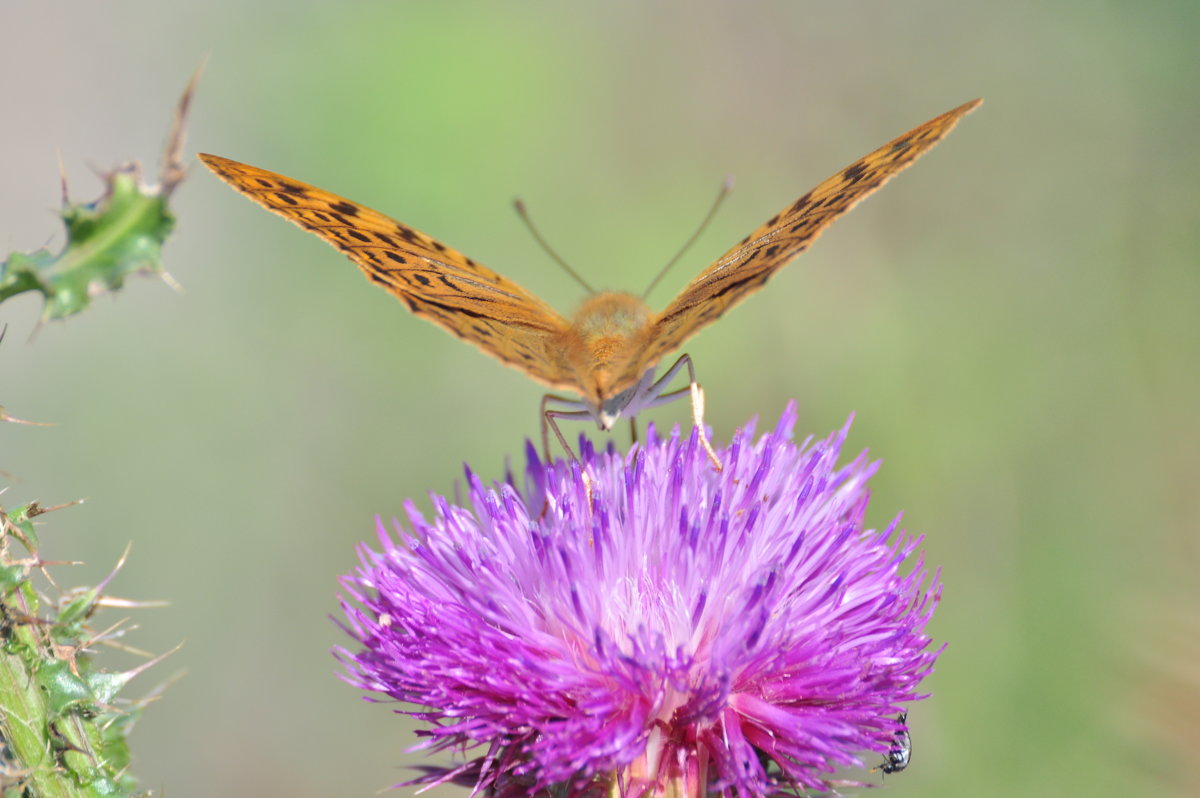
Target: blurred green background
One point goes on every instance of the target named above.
(1014, 321)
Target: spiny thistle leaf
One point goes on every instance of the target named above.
(65, 690)
(19, 523)
(61, 730)
(119, 234)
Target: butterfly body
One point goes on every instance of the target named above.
(608, 351)
(602, 341)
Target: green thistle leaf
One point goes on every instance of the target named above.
(119, 234)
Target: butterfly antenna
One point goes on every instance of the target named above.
(519, 204)
(726, 187)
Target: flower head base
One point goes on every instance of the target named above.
(685, 631)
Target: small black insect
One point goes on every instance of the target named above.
(897, 757)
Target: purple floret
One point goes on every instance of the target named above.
(686, 631)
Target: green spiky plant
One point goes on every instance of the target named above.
(119, 234)
(63, 726)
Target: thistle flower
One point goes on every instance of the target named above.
(682, 632)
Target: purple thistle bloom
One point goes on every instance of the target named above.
(689, 631)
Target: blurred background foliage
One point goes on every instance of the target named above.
(1014, 321)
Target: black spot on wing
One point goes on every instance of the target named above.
(749, 282)
(450, 311)
(854, 172)
(345, 208)
(799, 204)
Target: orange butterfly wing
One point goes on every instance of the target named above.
(434, 281)
(742, 270)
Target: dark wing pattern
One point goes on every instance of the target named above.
(742, 270)
(433, 280)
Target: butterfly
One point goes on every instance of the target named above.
(608, 351)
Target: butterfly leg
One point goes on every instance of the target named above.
(548, 422)
(698, 415)
(659, 397)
